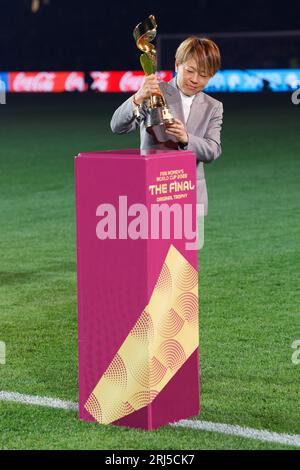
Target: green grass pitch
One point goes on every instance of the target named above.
(249, 272)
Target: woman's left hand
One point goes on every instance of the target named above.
(178, 130)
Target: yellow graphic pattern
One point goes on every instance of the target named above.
(163, 338)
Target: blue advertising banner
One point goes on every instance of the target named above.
(255, 80)
(4, 79)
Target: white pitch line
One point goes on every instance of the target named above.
(249, 433)
(229, 429)
(38, 401)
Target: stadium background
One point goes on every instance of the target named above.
(249, 267)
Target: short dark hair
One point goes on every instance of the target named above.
(205, 52)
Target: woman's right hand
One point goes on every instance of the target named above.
(148, 87)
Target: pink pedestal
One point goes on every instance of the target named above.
(117, 276)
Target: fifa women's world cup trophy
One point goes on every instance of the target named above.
(157, 111)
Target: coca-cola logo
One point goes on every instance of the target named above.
(130, 81)
(75, 81)
(101, 81)
(162, 76)
(41, 81)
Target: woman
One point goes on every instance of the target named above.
(198, 117)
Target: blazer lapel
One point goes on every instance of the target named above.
(173, 99)
(197, 109)
(174, 102)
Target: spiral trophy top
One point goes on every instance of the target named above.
(143, 34)
(158, 112)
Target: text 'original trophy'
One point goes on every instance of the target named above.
(157, 110)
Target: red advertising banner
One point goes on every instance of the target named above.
(122, 81)
(46, 82)
(57, 82)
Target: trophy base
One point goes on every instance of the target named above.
(159, 116)
(167, 116)
(154, 118)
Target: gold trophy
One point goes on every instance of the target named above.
(157, 113)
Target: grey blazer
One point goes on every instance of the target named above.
(203, 127)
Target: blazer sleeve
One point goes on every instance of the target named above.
(124, 120)
(208, 148)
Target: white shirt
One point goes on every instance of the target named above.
(186, 104)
